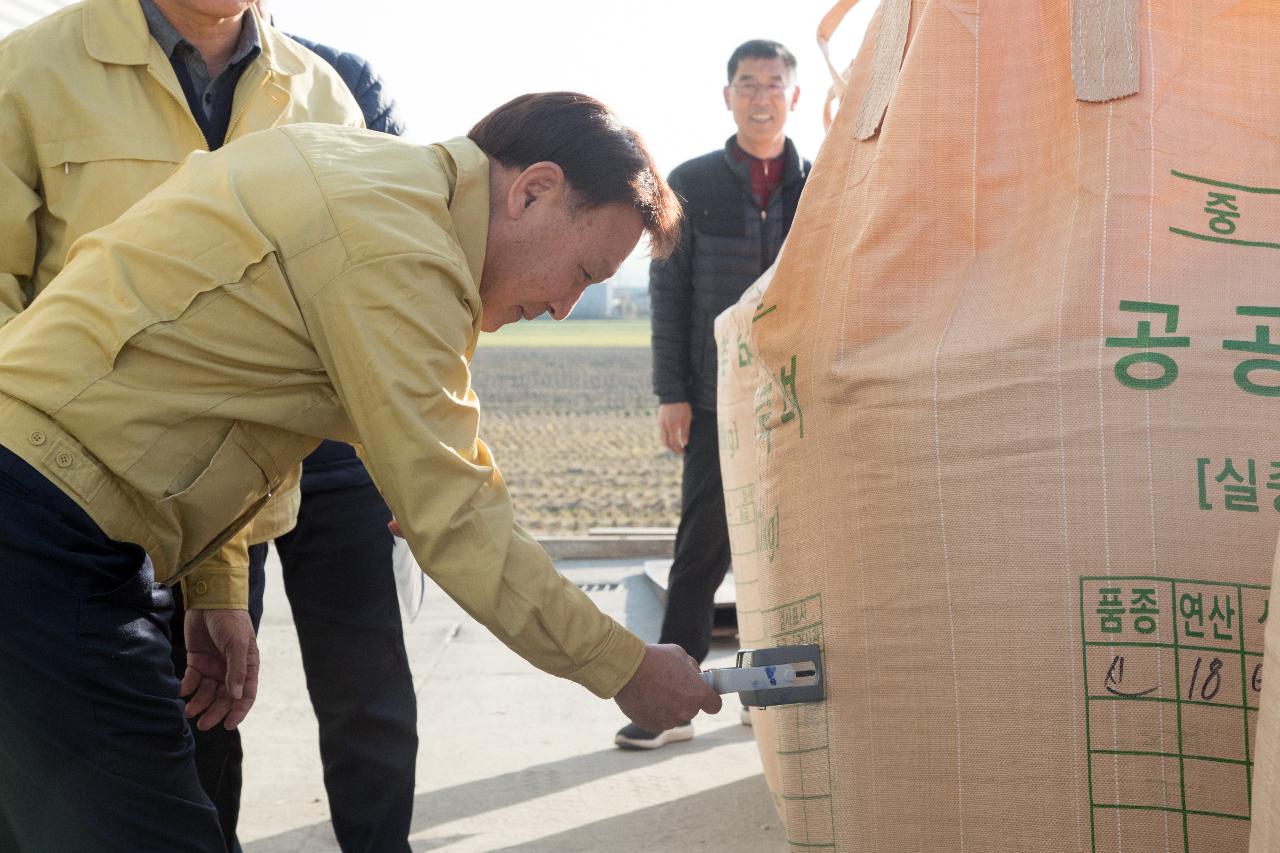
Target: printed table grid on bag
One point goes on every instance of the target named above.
(803, 734)
(1172, 678)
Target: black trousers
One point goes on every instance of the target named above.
(339, 581)
(702, 543)
(95, 753)
(338, 576)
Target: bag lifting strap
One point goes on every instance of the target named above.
(891, 46)
(1104, 55)
(1104, 49)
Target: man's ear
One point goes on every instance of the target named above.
(795, 97)
(728, 105)
(543, 181)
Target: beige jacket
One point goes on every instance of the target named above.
(92, 117)
(303, 283)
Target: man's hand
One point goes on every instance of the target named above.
(222, 667)
(666, 690)
(673, 421)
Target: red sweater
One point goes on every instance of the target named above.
(765, 174)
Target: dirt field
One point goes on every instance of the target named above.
(574, 428)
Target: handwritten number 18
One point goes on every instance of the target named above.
(1212, 681)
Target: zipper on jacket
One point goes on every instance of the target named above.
(244, 105)
(235, 117)
(764, 238)
(182, 101)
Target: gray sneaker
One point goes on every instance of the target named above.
(632, 736)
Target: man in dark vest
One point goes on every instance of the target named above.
(738, 204)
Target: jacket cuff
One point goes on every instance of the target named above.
(216, 587)
(611, 669)
(666, 399)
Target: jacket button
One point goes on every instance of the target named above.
(37, 438)
(63, 459)
(202, 587)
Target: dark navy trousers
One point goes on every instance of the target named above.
(339, 579)
(95, 754)
(341, 588)
(219, 754)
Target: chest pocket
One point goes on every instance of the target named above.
(90, 181)
(223, 495)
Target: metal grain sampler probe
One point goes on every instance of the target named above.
(780, 676)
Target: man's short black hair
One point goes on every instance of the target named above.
(603, 161)
(761, 49)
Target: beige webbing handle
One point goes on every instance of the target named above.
(839, 80)
(1104, 49)
(891, 46)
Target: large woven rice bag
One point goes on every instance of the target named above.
(1014, 458)
(751, 542)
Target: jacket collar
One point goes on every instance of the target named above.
(115, 32)
(793, 166)
(467, 169)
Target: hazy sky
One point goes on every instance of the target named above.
(659, 63)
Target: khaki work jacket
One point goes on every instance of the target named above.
(303, 283)
(92, 117)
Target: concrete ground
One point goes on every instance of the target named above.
(510, 758)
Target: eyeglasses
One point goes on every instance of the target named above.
(750, 90)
